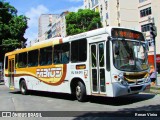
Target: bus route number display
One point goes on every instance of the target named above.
(127, 34)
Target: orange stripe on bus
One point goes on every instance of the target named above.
(57, 83)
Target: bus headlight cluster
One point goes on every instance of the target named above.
(124, 83)
(120, 78)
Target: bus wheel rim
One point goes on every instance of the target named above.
(78, 91)
(23, 88)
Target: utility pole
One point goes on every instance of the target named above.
(153, 33)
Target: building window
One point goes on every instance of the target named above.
(101, 8)
(106, 4)
(145, 12)
(118, 14)
(49, 36)
(94, 2)
(145, 28)
(101, 18)
(150, 42)
(107, 16)
(140, 1)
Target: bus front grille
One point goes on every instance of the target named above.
(136, 75)
(135, 78)
(136, 88)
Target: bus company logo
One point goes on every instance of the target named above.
(49, 72)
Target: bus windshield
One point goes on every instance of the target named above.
(130, 55)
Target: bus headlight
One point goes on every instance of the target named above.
(121, 76)
(124, 83)
(120, 79)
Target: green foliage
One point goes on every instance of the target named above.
(82, 21)
(12, 28)
(9, 44)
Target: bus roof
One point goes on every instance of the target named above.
(56, 40)
(38, 45)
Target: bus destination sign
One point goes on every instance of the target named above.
(127, 34)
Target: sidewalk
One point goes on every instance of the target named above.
(155, 89)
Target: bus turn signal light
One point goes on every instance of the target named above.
(78, 67)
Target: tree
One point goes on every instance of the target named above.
(82, 21)
(12, 28)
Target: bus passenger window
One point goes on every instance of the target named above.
(79, 50)
(33, 61)
(61, 53)
(46, 56)
(22, 60)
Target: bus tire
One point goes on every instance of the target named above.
(23, 88)
(80, 92)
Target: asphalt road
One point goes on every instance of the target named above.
(70, 108)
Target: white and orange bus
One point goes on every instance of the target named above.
(109, 61)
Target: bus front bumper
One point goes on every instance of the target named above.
(120, 90)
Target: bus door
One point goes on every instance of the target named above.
(97, 60)
(11, 72)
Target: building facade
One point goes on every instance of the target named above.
(148, 14)
(115, 12)
(59, 27)
(45, 21)
(55, 28)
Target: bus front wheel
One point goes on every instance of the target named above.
(23, 88)
(80, 92)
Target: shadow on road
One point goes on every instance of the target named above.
(124, 100)
(128, 114)
(114, 101)
(144, 108)
(49, 95)
(122, 115)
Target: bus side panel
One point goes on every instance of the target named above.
(19, 79)
(79, 74)
(6, 81)
(41, 86)
(35, 84)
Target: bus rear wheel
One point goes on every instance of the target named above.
(80, 92)
(23, 88)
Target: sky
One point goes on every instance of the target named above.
(34, 8)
